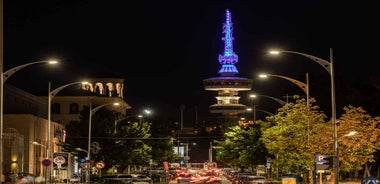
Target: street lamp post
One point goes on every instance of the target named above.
(3, 77)
(330, 69)
(303, 86)
(38, 144)
(51, 95)
(92, 112)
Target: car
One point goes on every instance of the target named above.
(238, 176)
(184, 177)
(252, 179)
(212, 177)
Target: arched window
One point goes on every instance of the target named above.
(55, 108)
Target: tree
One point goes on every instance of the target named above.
(357, 150)
(121, 148)
(241, 147)
(162, 142)
(295, 135)
(132, 146)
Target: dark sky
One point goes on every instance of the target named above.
(164, 49)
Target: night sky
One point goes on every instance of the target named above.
(164, 49)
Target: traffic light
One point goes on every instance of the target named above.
(220, 152)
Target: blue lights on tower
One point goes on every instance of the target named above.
(229, 58)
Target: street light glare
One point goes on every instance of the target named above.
(52, 62)
(263, 75)
(274, 52)
(116, 104)
(352, 133)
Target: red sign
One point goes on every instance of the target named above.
(46, 162)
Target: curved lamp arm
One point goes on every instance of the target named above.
(300, 84)
(273, 98)
(11, 71)
(325, 64)
(55, 91)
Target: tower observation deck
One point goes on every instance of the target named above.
(228, 84)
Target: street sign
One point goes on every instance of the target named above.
(95, 147)
(59, 160)
(322, 167)
(99, 165)
(46, 162)
(320, 159)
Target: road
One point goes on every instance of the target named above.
(224, 180)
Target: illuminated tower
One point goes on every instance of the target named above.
(228, 84)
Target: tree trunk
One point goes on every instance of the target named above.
(332, 178)
(311, 174)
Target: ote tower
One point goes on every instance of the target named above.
(228, 84)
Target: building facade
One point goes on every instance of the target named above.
(26, 122)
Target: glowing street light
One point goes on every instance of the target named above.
(264, 111)
(140, 116)
(80, 149)
(281, 102)
(328, 65)
(303, 86)
(3, 77)
(352, 133)
(37, 143)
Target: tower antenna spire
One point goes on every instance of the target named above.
(229, 58)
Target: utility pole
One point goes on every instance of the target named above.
(210, 153)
